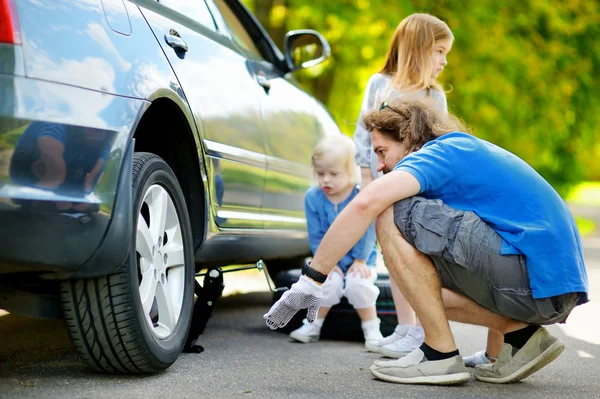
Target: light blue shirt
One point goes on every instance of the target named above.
(471, 174)
(320, 214)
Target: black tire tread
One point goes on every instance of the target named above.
(99, 314)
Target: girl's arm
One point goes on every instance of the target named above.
(362, 138)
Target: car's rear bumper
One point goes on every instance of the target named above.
(64, 228)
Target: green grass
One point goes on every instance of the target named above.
(9, 139)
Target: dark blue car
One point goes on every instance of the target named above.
(141, 142)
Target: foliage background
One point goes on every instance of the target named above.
(522, 73)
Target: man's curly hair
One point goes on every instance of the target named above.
(413, 120)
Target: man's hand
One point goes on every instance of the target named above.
(304, 294)
(360, 268)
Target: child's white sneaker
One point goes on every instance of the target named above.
(309, 332)
(371, 332)
(399, 332)
(476, 359)
(402, 347)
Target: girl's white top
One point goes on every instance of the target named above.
(379, 89)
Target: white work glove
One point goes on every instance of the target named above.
(304, 294)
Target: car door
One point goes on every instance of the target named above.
(224, 96)
(292, 131)
(291, 123)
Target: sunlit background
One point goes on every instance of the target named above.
(522, 73)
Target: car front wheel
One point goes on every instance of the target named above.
(136, 320)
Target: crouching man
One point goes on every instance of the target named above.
(469, 232)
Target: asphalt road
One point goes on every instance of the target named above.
(243, 358)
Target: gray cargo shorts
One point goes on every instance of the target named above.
(466, 253)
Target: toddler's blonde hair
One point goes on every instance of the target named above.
(338, 149)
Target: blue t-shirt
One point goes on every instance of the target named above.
(471, 174)
(320, 214)
(79, 153)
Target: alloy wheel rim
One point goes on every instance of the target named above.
(160, 261)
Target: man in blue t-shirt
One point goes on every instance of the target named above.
(471, 233)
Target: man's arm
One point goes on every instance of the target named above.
(352, 223)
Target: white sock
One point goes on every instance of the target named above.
(371, 324)
(318, 322)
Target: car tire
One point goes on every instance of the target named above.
(343, 322)
(136, 320)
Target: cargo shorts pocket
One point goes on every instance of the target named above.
(459, 237)
(430, 228)
(438, 230)
(472, 243)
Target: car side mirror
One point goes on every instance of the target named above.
(305, 48)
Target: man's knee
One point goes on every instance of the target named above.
(361, 292)
(396, 220)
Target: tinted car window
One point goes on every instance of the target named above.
(194, 9)
(239, 33)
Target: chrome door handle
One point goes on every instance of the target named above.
(174, 40)
(263, 81)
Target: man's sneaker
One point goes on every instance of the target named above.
(476, 359)
(538, 351)
(414, 368)
(309, 332)
(402, 347)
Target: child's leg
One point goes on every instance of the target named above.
(407, 335)
(323, 311)
(495, 342)
(367, 314)
(333, 290)
(362, 294)
(405, 313)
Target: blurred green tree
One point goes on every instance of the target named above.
(522, 73)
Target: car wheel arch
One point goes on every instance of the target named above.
(169, 117)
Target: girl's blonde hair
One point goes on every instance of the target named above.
(337, 150)
(408, 58)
